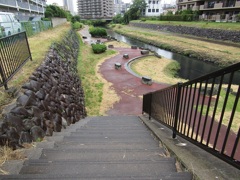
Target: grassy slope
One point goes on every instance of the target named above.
(199, 24)
(39, 45)
(221, 54)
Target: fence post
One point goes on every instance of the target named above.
(179, 89)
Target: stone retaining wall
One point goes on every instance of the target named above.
(53, 97)
(217, 34)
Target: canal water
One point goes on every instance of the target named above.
(191, 68)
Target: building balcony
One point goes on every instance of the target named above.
(34, 8)
(195, 8)
(23, 5)
(202, 7)
(218, 5)
(11, 3)
(237, 4)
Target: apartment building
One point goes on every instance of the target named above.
(96, 9)
(24, 9)
(154, 8)
(214, 10)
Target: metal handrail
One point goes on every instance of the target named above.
(14, 52)
(205, 111)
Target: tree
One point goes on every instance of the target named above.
(55, 11)
(118, 19)
(135, 11)
(75, 18)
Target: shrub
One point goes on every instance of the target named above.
(172, 69)
(143, 19)
(96, 32)
(77, 25)
(99, 48)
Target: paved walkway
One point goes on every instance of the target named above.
(127, 86)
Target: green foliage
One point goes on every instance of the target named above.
(169, 13)
(46, 19)
(99, 22)
(185, 17)
(99, 48)
(55, 11)
(75, 19)
(68, 16)
(118, 19)
(172, 69)
(97, 32)
(135, 11)
(77, 25)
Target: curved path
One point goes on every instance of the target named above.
(127, 86)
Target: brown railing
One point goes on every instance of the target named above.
(205, 111)
(14, 52)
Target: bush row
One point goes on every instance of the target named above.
(97, 32)
(185, 17)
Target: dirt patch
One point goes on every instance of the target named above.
(109, 96)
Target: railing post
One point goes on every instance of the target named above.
(3, 78)
(179, 89)
(150, 107)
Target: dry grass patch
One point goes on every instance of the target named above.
(154, 67)
(118, 44)
(99, 96)
(109, 96)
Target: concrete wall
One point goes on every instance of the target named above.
(58, 21)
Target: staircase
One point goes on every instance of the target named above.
(116, 147)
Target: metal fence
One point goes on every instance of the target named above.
(205, 111)
(14, 52)
(34, 27)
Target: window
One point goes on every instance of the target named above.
(149, 10)
(157, 10)
(157, 2)
(153, 10)
(153, 2)
(149, 2)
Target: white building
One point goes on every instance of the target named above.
(68, 5)
(154, 8)
(118, 7)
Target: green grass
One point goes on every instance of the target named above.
(228, 110)
(172, 69)
(92, 84)
(199, 24)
